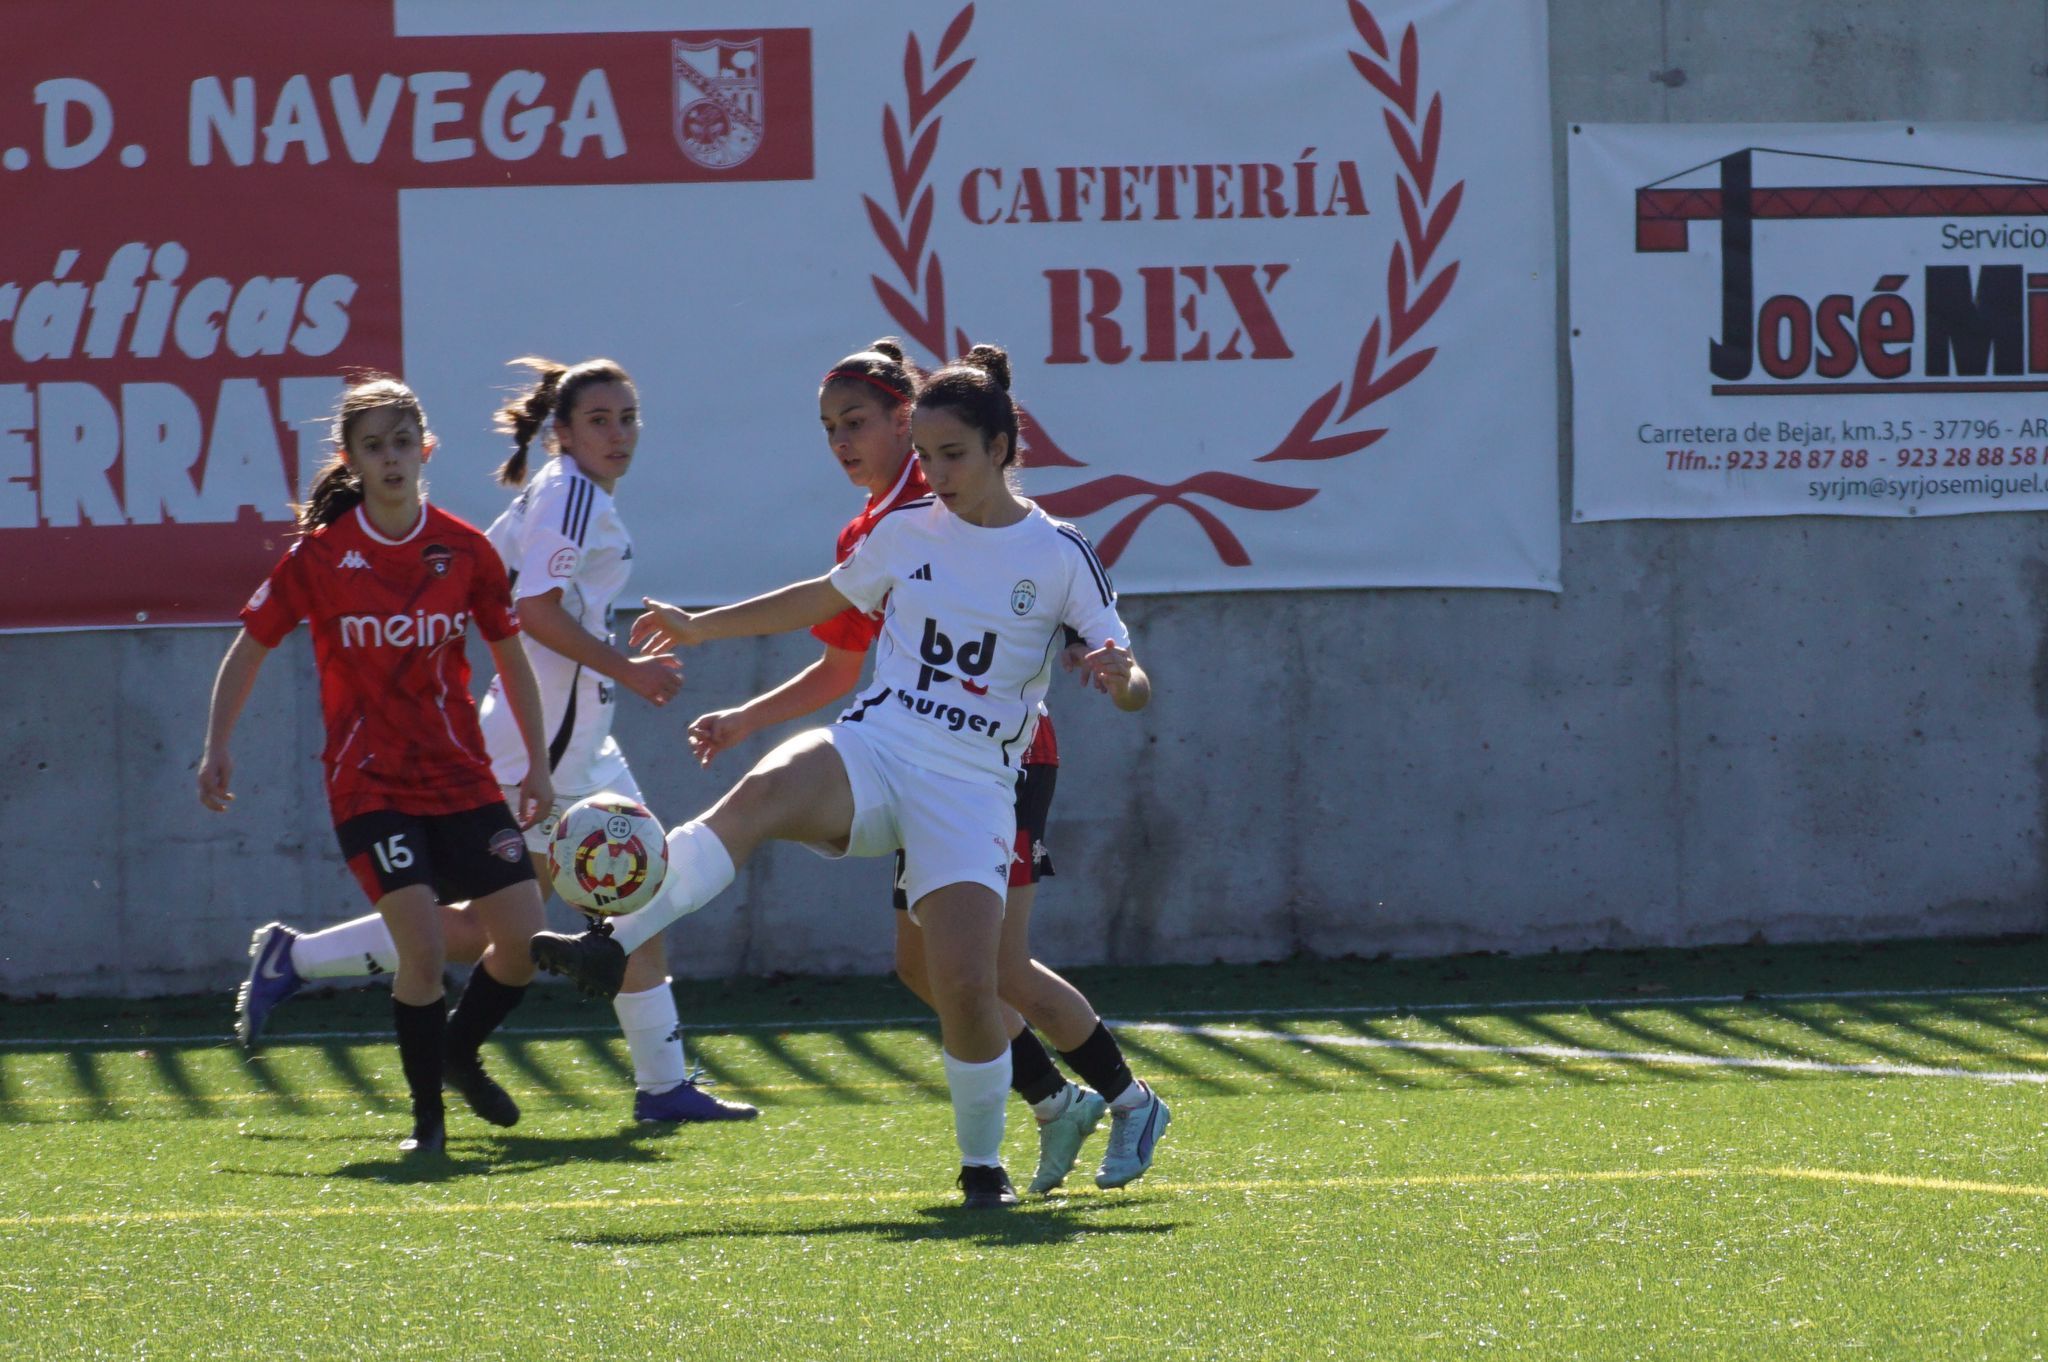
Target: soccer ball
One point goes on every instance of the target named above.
(608, 855)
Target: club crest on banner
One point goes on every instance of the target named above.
(718, 102)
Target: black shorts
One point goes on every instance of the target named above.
(460, 856)
(1030, 862)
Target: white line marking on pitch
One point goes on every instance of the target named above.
(928, 1022)
(1572, 1052)
(1081, 1196)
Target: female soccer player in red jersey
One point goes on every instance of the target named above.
(564, 542)
(390, 586)
(864, 405)
(979, 586)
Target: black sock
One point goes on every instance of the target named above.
(1100, 1062)
(485, 1003)
(422, 1030)
(1032, 1076)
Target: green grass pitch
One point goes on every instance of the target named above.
(1807, 1152)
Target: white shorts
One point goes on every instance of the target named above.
(586, 757)
(952, 830)
(540, 834)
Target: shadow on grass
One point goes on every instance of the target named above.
(775, 1048)
(860, 1045)
(468, 1156)
(348, 1071)
(1044, 1222)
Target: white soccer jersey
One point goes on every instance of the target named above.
(971, 628)
(562, 532)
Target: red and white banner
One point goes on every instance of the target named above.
(1829, 319)
(1252, 268)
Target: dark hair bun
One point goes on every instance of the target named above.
(992, 360)
(890, 346)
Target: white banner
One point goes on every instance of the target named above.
(1827, 319)
(1254, 265)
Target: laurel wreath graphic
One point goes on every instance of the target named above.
(1414, 291)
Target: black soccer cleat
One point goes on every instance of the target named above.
(485, 1097)
(428, 1139)
(591, 960)
(985, 1187)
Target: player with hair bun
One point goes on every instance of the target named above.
(568, 554)
(390, 586)
(864, 404)
(979, 586)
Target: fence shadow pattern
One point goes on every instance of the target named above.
(1986, 1038)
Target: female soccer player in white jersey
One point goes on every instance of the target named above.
(390, 586)
(568, 554)
(979, 585)
(864, 404)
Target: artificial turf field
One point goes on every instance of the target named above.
(1736, 1153)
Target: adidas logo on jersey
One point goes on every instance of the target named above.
(923, 574)
(354, 559)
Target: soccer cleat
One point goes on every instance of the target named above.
(1133, 1135)
(591, 960)
(427, 1139)
(483, 1093)
(685, 1103)
(986, 1186)
(272, 979)
(1059, 1140)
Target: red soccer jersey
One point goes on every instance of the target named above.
(853, 628)
(389, 618)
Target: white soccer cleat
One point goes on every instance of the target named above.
(1133, 1136)
(1059, 1140)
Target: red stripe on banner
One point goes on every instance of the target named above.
(1848, 201)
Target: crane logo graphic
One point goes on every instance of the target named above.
(1976, 322)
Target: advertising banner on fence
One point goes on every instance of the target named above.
(1827, 319)
(1252, 266)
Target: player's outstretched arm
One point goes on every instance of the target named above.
(832, 677)
(522, 692)
(797, 606)
(231, 687)
(545, 621)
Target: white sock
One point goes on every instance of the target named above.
(980, 1093)
(354, 950)
(1055, 1106)
(654, 1037)
(1131, 1098)
(698, 868)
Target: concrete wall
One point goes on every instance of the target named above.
(1801, 727)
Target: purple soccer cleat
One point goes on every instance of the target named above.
(272, 979)
(686, 1102)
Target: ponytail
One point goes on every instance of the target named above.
(552, 395)
(522, 417)
(336, 491)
